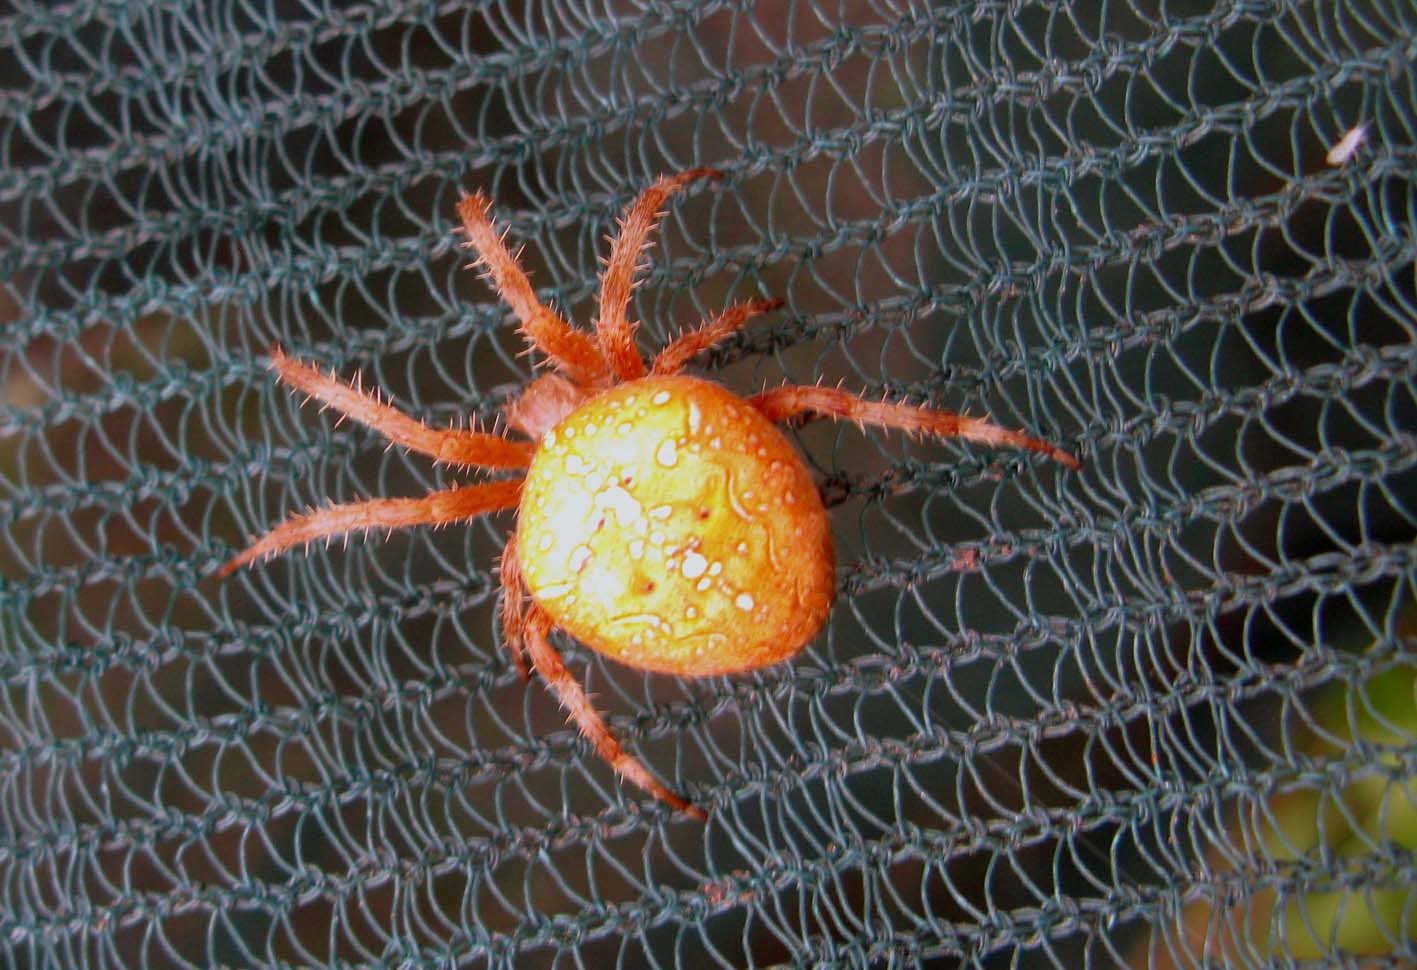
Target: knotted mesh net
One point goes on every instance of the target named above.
(1155, 713)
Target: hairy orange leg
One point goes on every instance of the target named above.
(514, 608)
(574, 353)
(436, 508)
(453, 446)
(612, 328)
(787, 402)
(672, 358)
(573, 698)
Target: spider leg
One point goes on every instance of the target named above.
(787, 402)
(514, 607)
(672, 358)
(615, 333)
(573, 352)
(573, 698)
(471, 448)
(436, 508)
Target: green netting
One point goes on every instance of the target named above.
(1156, 713)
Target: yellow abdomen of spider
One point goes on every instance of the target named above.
(669, 525)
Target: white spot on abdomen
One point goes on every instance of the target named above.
(744, 601)
(667, 454)
(694, 566)
(622, 503)
(579, 557)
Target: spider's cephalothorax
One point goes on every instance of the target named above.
(663, 521)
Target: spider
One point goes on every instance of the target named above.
(662, 520)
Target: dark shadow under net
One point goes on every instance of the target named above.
(1156, 713)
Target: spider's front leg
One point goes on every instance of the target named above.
(792, 401)
(613, 329)
(573, 698)
(687, 345)
(574, 353)
(453, 446)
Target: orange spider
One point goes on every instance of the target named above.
(663, 520)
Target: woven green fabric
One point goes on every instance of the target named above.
(1158, 712)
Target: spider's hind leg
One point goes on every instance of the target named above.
(514, 607)
(782, 403)
(592, 725)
